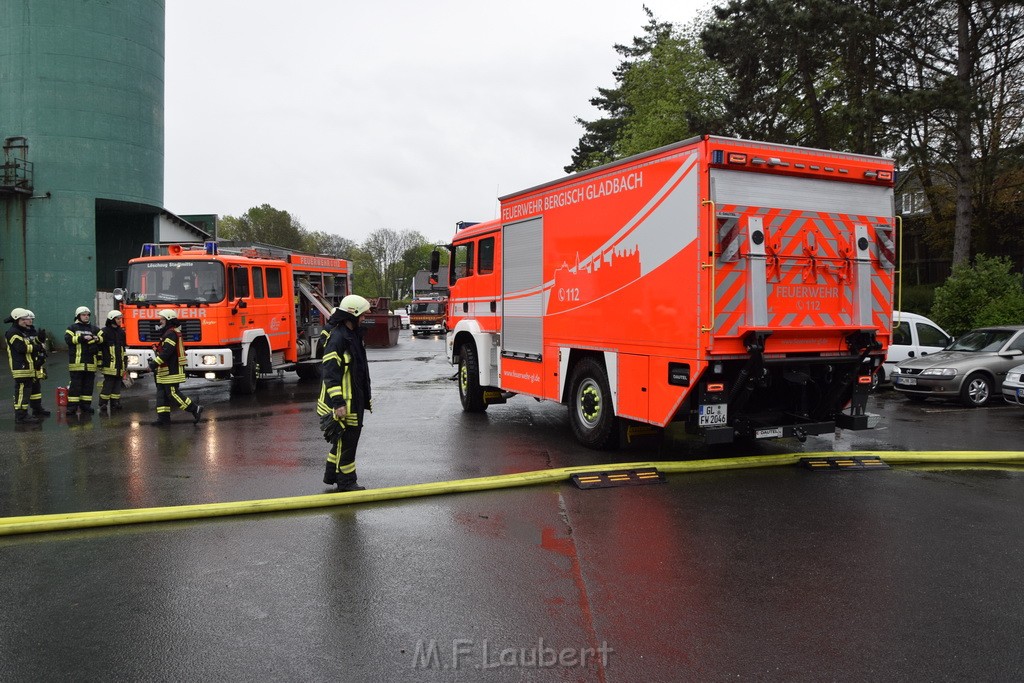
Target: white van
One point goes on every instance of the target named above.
(913, 336)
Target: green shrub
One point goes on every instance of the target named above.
(916, 299)
(986, 292)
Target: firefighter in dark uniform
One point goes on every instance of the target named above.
(82, 338)
(169, 368)
(113, 360)
(344, 392)
(26, 353)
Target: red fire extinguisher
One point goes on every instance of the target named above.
(62, 396)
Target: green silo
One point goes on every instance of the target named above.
(81, 121)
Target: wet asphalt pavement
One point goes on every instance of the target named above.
(771, 574)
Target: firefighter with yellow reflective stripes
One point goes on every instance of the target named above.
(113, 360)
(83, 340)
(344, 392)
(26, 354)
(169, 369)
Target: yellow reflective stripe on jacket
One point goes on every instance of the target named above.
(346, 384)
(29, 370)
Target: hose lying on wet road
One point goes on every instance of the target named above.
(99, 518)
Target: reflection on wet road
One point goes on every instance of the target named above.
(776, 574)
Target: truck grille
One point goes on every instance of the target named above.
(191, 331)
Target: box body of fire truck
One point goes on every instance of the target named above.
(741, 288)
(246, 310)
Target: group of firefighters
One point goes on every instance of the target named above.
(90, 349)
(344, 390)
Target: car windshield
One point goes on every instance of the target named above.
(429, 308)
(183, 282)
(981, 341)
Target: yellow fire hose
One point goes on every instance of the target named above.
(82, 520)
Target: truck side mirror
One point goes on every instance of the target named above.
(435, 261)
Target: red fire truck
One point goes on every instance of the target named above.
(742, 288)
(246, 309)
(428, 315)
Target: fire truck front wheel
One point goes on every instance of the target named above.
(247, 381)
(590, 407)
(470, 393)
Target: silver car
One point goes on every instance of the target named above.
(1013, 386)
(971, 369)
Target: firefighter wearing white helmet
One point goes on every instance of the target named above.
(344, 392)
(113, 360)
(83, 342)
(169, 368)
(26, 355)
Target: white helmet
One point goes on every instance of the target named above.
(114, 314)
(354, 304)
(82, 309)
(168, 314)
(19, 313)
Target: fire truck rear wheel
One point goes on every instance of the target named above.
(308, 371)
(590, 407)
(470, 393)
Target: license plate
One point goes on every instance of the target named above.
(712, 414)
(906, 381)
(768, 433)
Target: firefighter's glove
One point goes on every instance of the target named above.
(153, 365)
(369, 405)
(331, 428)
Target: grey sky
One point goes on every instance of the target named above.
(395, 114)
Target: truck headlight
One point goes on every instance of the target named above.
(134, 362)
(210, 359)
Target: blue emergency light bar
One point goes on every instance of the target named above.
(211, 248)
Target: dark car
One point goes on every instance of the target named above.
(971, 369)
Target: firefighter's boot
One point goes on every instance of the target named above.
(162, 420)
(115, 403)
(86, 408)
(38, 410)
(103, 406)
(330, 474)
(347, 482)
(197, 412)
(22, 417)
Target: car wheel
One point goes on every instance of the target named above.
(470, 393)
(976, 390)
(590, 407)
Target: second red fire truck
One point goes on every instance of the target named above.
(741, 288)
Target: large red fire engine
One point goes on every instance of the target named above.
(246, 309)
(742, 288)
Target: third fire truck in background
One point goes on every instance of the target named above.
(741, 288)
(246, 309)
(428, 315)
